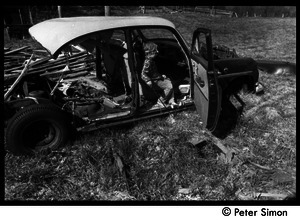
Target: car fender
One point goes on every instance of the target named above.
(10, 107)
(239, 70)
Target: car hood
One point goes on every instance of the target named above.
(53, 34)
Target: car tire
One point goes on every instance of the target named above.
(36, 128)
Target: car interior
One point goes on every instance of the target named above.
(170, 61)
(105, 92)
(111, 79)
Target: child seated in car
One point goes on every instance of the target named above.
(156, 80)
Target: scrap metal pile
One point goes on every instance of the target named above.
(79, 64)
(74, 75)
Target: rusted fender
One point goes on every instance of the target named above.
(276, 67)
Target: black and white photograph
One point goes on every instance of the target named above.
(145, 104)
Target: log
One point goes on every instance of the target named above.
(18, 79)
(16, 50)
(61, 61)
(11, 76)
(34, 63)
(42, 70)
(51, 74)
(14, 57)
(81, 73)
(38, 62)
(12, 65)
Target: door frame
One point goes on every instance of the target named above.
(207, 98)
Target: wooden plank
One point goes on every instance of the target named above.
(34, 63)
(53, 67)
(38, 62)
(66, 73)
(13, 69)
(16, 50)
(63, 60)
(18, 79)
(14, 57)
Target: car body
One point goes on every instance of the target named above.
(43, 111)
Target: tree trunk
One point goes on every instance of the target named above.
(30, 15)
(6, 31)
(20, 16)
(59, 11)
(107, 10)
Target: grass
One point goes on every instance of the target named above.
(152, 160)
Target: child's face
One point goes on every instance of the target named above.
(153, 53)
(151, 50)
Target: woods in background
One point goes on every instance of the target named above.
(19, 14)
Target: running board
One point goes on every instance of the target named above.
(97, 124)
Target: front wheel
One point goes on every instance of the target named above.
(36, 128)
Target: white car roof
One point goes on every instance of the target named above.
(53, 34)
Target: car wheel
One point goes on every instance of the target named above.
(36, 128)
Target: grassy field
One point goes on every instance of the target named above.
(157, 161)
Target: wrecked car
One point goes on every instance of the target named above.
(44, 106)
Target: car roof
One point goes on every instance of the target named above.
(53, 34)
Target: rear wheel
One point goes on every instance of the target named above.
(36, 128)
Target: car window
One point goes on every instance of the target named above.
(118, 35)
(156, 33)
(195, 48)
(199, 47)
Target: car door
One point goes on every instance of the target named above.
(207, 94)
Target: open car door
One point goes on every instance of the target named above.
(207, 94)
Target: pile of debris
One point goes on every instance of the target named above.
(79, 64)
(14, 58)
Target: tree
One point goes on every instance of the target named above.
(59, 11)
(107, 10)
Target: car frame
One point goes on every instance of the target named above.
(41, 114)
